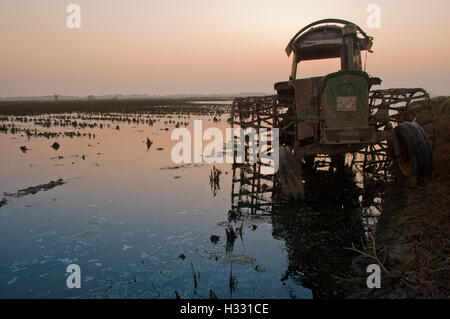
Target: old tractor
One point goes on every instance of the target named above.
(337, 119)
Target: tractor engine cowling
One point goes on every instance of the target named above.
(345, 108)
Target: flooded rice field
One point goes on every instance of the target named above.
(101, 191)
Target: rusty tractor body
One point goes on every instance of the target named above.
(339, 113)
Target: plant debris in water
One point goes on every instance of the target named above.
(227, 257)
(55, 146)
(149, 143)
(34, 189)
(24, 149)
(212, 295)
(170, 167)
(214, 180)
(233, 280)
(214, 239)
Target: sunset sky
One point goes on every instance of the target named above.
(205, 46)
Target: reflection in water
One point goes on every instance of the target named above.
(231, 237)
(314, 232)
(252, 193)
(214, 180)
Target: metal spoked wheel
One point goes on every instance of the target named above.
(373, 162)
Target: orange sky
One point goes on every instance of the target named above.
(205, 46)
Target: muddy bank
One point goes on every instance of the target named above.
(413, 232)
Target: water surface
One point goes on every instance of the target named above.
(138, 227)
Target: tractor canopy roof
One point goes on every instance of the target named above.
(323, 39)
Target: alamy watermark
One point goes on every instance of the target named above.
(74, 278)
(374, 279)
(73, 21)
(239, 146)
(374, 19)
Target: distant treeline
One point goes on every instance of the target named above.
(100, 106)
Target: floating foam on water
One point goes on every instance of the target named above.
(12, 280)
(67, 260)
(89, 278)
